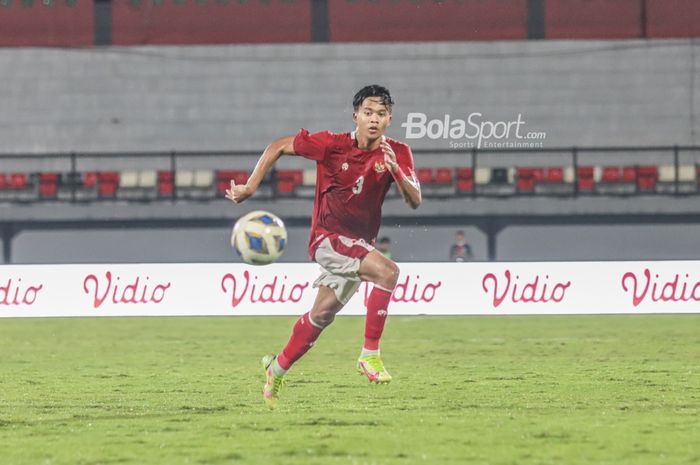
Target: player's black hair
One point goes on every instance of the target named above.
(373, 91)
(385, 240)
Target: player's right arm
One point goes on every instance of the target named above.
(240, 192)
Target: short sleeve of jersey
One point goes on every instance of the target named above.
(405, 160)
(312, 146)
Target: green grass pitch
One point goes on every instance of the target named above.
(467, 390)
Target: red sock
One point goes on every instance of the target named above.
(377, 306)
(303, 337)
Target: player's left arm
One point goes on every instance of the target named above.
(408, 186)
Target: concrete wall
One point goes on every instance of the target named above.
(410, 243)
(241, 97)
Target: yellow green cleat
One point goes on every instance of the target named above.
(373, 367)
(273, 383)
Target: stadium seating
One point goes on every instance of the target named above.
(465, 180)
(686, 176)
(308, 184)
(437, 182)
(527, 179)
(166, 184)
(585, 179)
(288, 180)
(224, 177)
(495, 181)
(190, 184)
(107, 183)
(647, 177)
(617, 180)
(48, 185)
(18, 187)
(139, 184)
(554, 180)
(687, 181)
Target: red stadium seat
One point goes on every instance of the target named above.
(464, 173)
(555, 175)
(611, 174)
(288, 180)
(465, 185)
(224, 177)
(3, 181)
(48, 185)
(585, 178)
(166, 176)
(646, 183)
(526, 179)
(443, 176)
(48, 190)
(629, 174)
(90, 180)
(522, 172)
(296, 177)
(18, 181)
(285, 186)
(648, 171)
(465, 180)
(166, 182)
(108, 190)
(48, 178)
(165, 189)
(538, 174)
(107, 183)
(108, 177)
(585, 184)
(526, 184)
(425, 176)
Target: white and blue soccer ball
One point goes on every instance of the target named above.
(259, 237)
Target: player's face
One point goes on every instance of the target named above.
(372, 118)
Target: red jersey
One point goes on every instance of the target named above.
(350, 183)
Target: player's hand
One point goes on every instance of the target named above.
(238, 192)
(389, 157)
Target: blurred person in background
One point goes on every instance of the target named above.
(460, 250)
(384, 247)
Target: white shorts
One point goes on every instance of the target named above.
(340, 258)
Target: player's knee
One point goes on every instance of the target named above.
(323, 317)
(391, 274)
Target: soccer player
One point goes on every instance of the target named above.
(354, 172)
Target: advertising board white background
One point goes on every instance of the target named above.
(286, 289)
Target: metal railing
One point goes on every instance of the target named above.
(71, 166)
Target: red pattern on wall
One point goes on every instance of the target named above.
(389, 20)
(673, 18)
(592, 19)
(52, 25)
(214, 23)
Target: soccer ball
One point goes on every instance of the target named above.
(259, 237)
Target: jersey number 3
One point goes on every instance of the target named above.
(357, 188)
